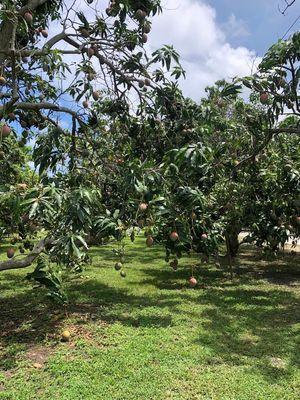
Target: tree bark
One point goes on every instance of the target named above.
(26, 261)
(7, 27)
(229, 255)
(232, 240)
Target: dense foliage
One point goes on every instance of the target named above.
(132, 154)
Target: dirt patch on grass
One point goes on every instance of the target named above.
(26, 331)
(38, 355)
(82, 328)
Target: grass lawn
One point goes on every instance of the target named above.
(150, 336)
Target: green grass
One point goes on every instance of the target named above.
(150, 336)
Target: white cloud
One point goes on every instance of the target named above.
(235, 28)
(205, 51)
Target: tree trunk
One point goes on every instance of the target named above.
(229, 256)
(233, 244)
(232, 240)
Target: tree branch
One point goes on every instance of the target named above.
(7, 26)
(55, 39)
(276, 131)
(256, 152)
(28, 260)
(45, 106)
(104, 60)
(270, 134)
(288, 5)
(33, 4)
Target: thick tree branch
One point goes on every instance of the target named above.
(42, 52)
(26, 261)
(255, 153)
(7, 27)
(55, 39)
(45, 106)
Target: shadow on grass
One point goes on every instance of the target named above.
(27, 319)
(243, 323)
(240, 324)
(143, 256)
(246, 322)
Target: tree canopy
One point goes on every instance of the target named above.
(119, 150)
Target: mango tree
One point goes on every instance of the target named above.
(67, 75)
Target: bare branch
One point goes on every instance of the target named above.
(55, 39)
(45, 106)
(288, 4)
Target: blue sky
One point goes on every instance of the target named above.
(261, 21)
